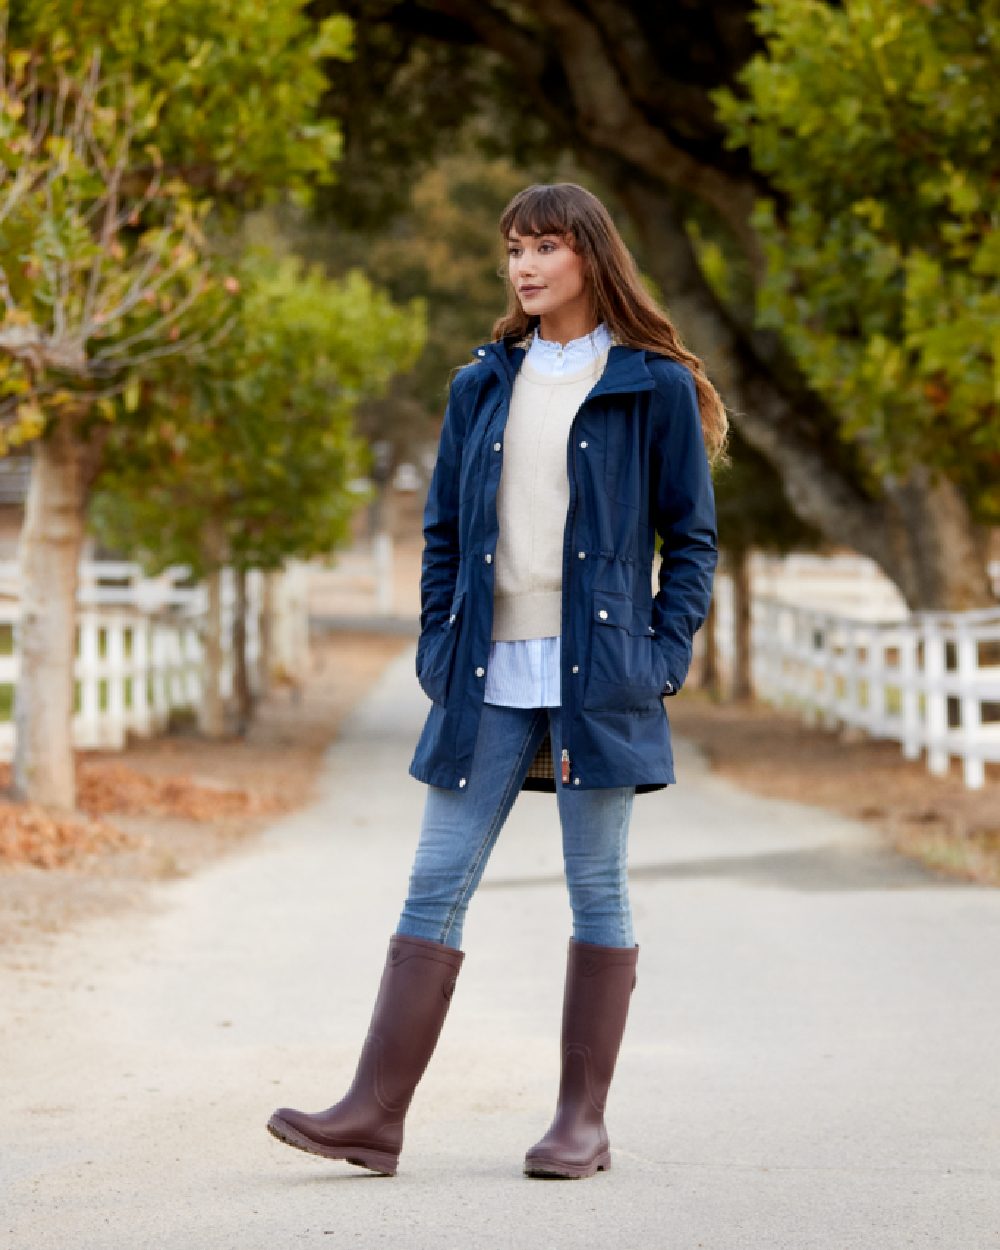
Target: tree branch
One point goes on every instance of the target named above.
(570, 47)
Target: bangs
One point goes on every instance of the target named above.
(536, 211)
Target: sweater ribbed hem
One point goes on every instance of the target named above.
(536, 614)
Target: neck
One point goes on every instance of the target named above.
(563, 327)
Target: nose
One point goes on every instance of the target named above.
(525, 267)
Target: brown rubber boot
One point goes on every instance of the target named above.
(599, 983)
(366, 1126)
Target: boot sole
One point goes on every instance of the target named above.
(555, 1170)
(361, 1156)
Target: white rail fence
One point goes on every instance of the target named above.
(930, 682)
(139, 647)
(132, 674)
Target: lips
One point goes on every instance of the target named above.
(530, 290)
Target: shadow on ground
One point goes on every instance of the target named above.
(818, 869)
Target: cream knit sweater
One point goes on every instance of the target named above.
(533, 499)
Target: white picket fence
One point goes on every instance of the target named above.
(139, 649)
(930, 682)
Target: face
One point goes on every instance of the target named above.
(548, 276)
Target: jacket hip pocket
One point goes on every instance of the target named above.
(626, 666)
(436, 653)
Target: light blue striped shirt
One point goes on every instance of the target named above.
(525, 672)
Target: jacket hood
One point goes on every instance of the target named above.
(625, 371)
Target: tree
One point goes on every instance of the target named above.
(247, 459)
(638, 110)
(443, 247)
(228, 91)
(90, 299)
(93, 201)
(883, 272)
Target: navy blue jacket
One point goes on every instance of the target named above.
(637, 468)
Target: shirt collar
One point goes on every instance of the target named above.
(549, 357)
(626, 370)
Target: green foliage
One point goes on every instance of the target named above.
(444, 247)
(247, 459)
(415, 90)
(448, 246)
(228, 89)
(875, 121)
(125, 129)
(102, 269)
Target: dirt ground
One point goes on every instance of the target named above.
(165, 806)
(771, 752)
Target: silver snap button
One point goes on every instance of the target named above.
(576, 668)
(451, 619)
(480, 672)
(480, 352)
(461, 783)
(496, 446)
(488, 558)
(582, 555)
(603, 614)
(576, 781)
(583, 444)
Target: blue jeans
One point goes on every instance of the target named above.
(460, 829)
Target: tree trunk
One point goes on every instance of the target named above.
(265, 665)
(212, 712)
(50, 547)
(739, 569)
(241, 673)
(938, 557)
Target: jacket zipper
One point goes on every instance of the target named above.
(567, 576)
(568, 563)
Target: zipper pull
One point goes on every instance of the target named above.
(565, 767)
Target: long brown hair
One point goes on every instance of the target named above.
(620, 299)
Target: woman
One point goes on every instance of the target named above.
(570, 441)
